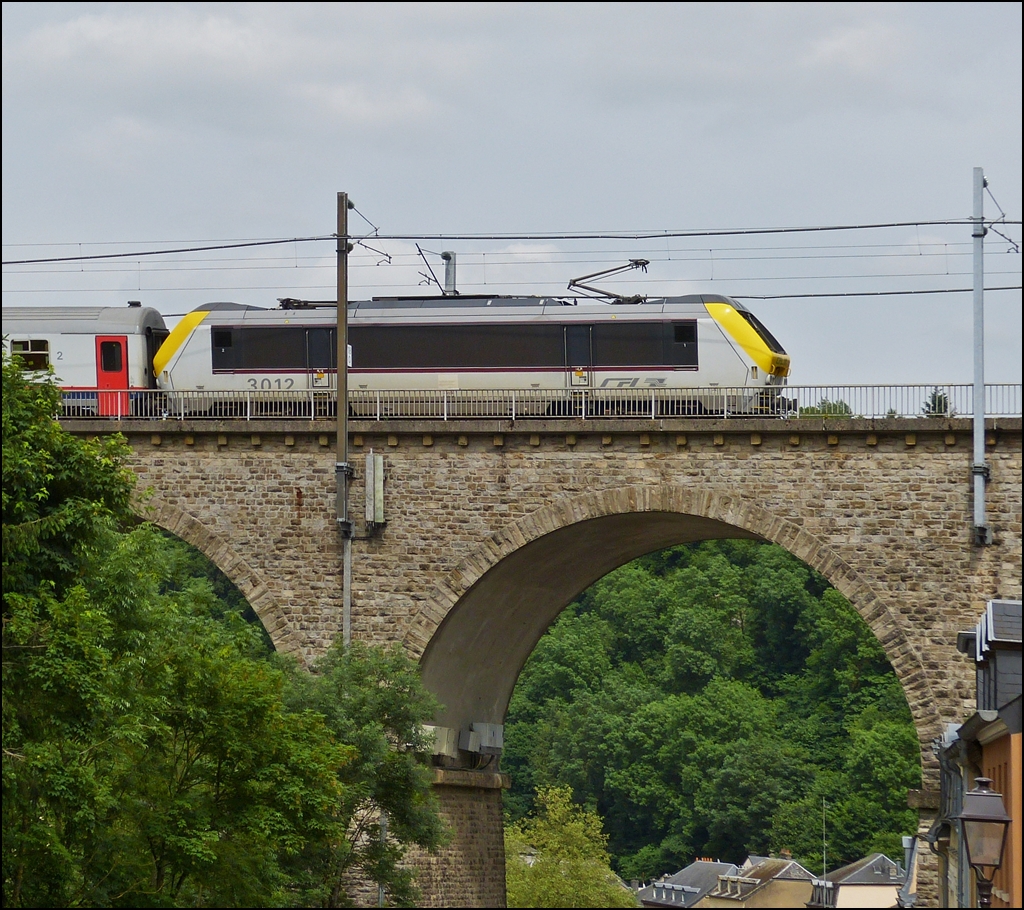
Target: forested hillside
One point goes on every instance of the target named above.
(705, 700)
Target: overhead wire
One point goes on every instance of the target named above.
(588, 235)
(318, 262)
(194, 249)
(651, 279)
(759, 253)
(549, 257)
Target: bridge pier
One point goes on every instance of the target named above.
(469, 871)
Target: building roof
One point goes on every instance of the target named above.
(687, 885)
(768, 869)
(1004, 620)
(876, 869)
(1000, 626)
(752, 878)
(753, 859)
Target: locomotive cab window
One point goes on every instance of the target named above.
(111, 357)
(34, 353)
(222, 338)
(768, 338)
(681, 344)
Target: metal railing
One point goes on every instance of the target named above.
(834, 402)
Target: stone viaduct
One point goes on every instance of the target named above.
(492, 527)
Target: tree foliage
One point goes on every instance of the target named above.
(937, 404)
(373, 702)
(155, 753)
(559, 858)
(827, 408)
(704, 700)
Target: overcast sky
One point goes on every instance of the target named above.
(130, 127)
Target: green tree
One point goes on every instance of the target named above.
(937, 404)
(62, 501)
(153, 753)
(373, 703)
(559, 858)
(826, 408)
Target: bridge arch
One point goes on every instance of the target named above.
(224, 557)
(475, 631)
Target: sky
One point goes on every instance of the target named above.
(135, 127)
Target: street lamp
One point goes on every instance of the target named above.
(985, 823)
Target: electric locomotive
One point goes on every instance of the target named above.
(476, 343)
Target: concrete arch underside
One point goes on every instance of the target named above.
(220, 553)
(475, 632)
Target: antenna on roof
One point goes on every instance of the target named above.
(577, 283)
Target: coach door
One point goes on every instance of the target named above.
(579, 360)
(112, 375)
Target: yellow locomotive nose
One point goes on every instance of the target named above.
(748, 333)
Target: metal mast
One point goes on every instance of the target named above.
(342, 468)
(979, 469)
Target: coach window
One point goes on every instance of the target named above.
(110, 356)
(34, 353)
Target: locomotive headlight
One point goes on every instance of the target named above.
(780, 365)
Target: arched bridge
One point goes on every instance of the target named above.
(493, 526)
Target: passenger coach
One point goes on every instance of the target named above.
(98, 354)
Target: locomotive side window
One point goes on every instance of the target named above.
(624, 344)
(642, 344)
(111, 356)
(34, 353)
(270, 348)
(681, 344)
(225, 351)
(449, 347)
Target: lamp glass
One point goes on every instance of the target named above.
(984, 842)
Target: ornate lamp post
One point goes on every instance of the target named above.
(985, 823)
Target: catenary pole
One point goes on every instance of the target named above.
(342, 468)
(979, 469)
